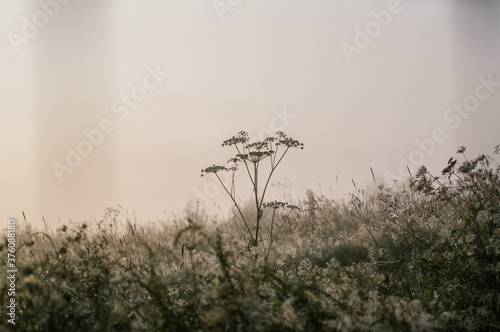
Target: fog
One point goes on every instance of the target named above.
(124, 102)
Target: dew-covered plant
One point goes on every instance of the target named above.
(424, 258)
(273, 233)
(252, 155)
(442, 237)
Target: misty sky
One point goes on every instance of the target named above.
(201, 71)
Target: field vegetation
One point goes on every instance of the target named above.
(425, 257)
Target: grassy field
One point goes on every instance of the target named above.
(423, 258)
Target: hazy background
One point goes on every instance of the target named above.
(230, 75)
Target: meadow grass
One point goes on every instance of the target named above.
(422, 259)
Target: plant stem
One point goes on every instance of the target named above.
(255, 187)
(237, 206)
(271, 240)
(269, 177)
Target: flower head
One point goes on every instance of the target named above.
(277, 205)
(242, 137)
(256, 156)
(288, 141)
(213, 169)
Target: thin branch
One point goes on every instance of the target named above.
(235, 204)
(272, 239)
(245, 162)
(269, 177)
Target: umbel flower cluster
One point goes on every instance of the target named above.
(277, 205)
(254, 152)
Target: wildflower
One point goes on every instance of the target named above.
(241, 138)
(251, 154)
(280, 134)
(290, 142)
(256, 156)
(421, 171)
(277, 205)
(213, 169)
(274, 205)
(449, 169)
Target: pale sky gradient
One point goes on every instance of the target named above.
(231, 75)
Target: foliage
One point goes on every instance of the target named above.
(421, 259)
